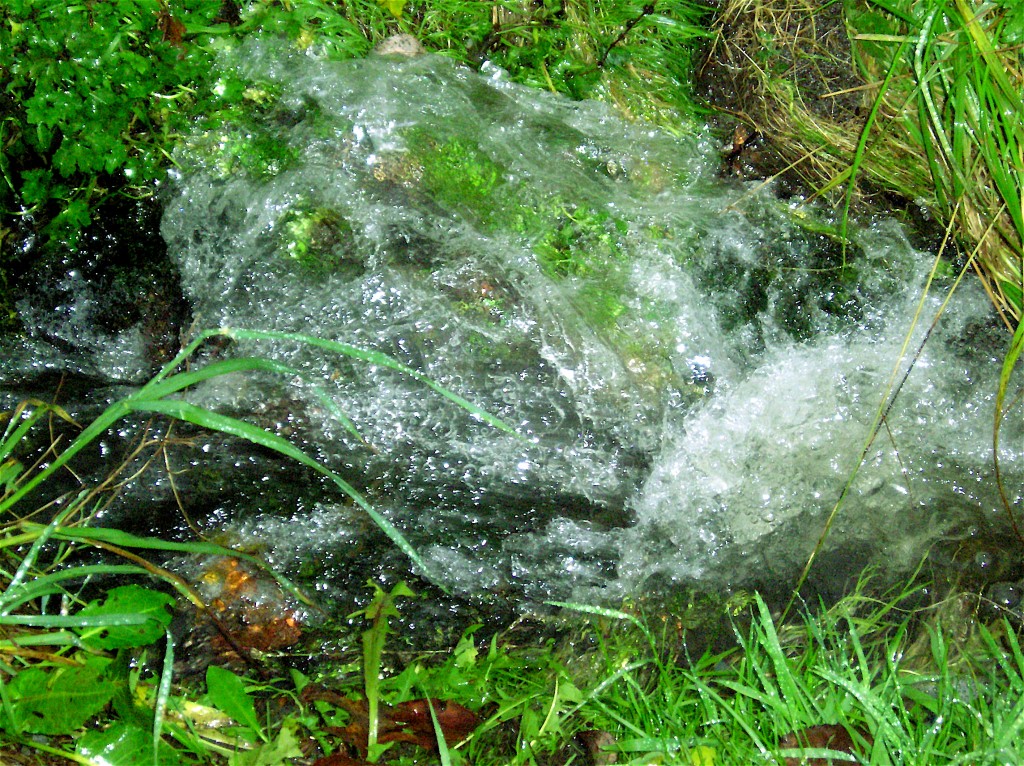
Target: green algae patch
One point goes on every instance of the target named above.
(458, 175)
(320, 242)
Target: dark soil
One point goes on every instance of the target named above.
(800, 49)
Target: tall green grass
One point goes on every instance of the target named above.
(888, 686)
(899, 685)
(954, 92)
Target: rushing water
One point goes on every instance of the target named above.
(693, 370)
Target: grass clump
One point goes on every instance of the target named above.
(953, 88)
(786, 67)
(862, 681)
(917, 99)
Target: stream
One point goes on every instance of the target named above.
(693, 366)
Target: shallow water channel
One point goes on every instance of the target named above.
(693, 365)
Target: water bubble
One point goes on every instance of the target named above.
(984, 560)
(1006, 594)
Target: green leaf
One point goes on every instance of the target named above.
(73, 217)
(58, 700)
(275, 753)
(380, 608)
(394, 7)
(227, 693)
(1013, 26)
(35, 187)
(128, 599)
(123, 744)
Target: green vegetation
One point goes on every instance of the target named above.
(320, 241)
(863, 681)
(96, 97)
(957, 71)
(43, 579)
(934, 116)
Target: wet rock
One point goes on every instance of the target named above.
(400, 45)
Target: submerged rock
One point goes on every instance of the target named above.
(694, 366)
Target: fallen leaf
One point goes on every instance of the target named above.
(455, 721)
(829, 736)
(171, 28)
(596, 743)
(338, 759)
(405, 722)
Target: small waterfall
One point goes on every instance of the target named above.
(694, 364)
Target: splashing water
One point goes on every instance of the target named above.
(694, 363)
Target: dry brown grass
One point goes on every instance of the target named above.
(811, 77)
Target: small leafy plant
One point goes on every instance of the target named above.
(99, 90)
(381, 608)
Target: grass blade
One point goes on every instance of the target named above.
(235, 427)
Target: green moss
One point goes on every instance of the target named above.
(579, 240)
(95, 92)
(320, 241)
(458, 175)
(570, 237)
(244, 137)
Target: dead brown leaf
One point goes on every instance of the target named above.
(455, 721)
(596, 743)
(830, 736)
(339, 759)
(170, 27)
(405, 722)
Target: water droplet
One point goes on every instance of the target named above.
(1005, 594)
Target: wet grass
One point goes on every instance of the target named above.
(953, 91)
(864, 681)
(860, 682)
(933, 117)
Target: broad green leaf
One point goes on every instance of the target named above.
(123, 744)
(227, 693)
(59, 700)
(128, 599)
